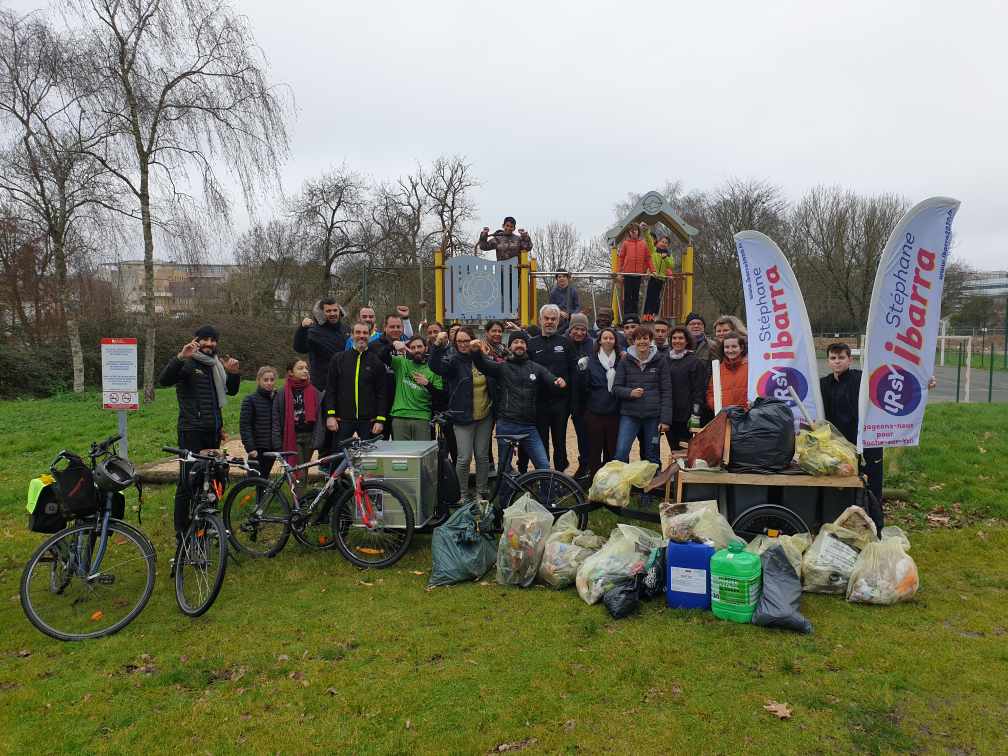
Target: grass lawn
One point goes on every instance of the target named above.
(306, 653)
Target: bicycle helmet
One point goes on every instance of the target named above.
(114, 474)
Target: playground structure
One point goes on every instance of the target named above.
(472, 289)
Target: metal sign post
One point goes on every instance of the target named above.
(119, 382)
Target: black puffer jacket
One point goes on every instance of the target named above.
(653, 376)
(518, 383)
(584, 349)
(255, 423)
(197, 399)
(688, 381)
(320, 341)
(593, 387)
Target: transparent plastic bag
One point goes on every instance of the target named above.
(623, 556)
(856, 520)
(824, 451)
(566, 550)
(612, 483)
(883, 574)
(701, 522)
(794, 547)
(827, 565)
(527, 523)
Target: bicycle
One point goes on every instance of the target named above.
(260, 515)
(95, 576)
(201, 555)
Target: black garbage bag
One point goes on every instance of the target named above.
(464, 548)
(623, 599)
(651, 582)
(762, 437)
(780, 604)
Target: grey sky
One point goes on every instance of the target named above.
(563, 108)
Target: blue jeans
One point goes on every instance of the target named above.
(532, 446)
(629, 428)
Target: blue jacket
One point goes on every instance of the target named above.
(566, 299)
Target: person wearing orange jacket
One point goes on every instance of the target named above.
(734, 373)
(633, 257)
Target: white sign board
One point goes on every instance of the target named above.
(119, 374)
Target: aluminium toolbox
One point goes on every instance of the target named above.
(410, 466)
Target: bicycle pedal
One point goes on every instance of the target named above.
(106, 579)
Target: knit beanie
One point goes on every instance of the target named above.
(579, 319)
(207, 332)
(695, 316)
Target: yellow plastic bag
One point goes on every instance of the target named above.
(613, 481)
(824, 451)
(699, 521)
(794, 547)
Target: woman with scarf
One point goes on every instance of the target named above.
(601, 414)
(688, 379)
(296, 413)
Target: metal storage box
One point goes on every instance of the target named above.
(410, 466)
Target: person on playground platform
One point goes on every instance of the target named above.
(504, 241)
(556, 353)
(664, 265)
(414, 390)
(564, 295)
(202, 382)
(356, 398)
(519, 380)
(320, 337)
(633, 257)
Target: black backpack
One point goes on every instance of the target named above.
(47, 516)
(75, 483)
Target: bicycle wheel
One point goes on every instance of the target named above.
(257, 517)
(556, 491)
(767, 517)
(69, 597)
(385, 540)
(312, 525)
(200, 563)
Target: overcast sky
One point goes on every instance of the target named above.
(564, 108)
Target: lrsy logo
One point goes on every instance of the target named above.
(894, 390)
(774, 383)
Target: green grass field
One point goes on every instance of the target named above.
(306, 653)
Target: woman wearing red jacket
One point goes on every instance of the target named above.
(633, 257)
(734, 374)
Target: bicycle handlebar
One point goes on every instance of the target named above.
(187, 455)
(97, 449)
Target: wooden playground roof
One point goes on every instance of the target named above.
(652, 208)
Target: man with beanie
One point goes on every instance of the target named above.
(320, 337)
(202, 384)
(556, 353)
(584, 350)
(697, 328)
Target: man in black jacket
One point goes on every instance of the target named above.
(519, 380)
(320, 337)
(356, 398)
(584, 350)
(556, 353)
(202, 384)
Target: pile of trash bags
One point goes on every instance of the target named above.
(465, 547)
(612, 483)
(624, 555)
(824, 451)
(566, 550)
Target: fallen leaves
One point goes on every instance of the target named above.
(779, 710)
(517, 745)
(938, 520)
(24, 653)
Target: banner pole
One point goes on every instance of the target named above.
(959, 372)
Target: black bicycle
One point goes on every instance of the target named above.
(93, 578)
(202, 554)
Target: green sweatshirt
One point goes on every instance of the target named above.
(412, 401)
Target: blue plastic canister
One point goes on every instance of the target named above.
(687, 584)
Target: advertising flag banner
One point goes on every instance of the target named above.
(781, 349)
(899, 354)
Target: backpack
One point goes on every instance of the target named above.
(44, 513)
(77, 492)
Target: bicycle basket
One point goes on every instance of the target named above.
(76, 487)
(44, 513)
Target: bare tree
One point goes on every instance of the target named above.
(842, 236)
(448, 184)
(45, 171)
(557, 246)
(183, 90)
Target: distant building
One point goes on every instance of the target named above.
(177, 286)
(986, 283)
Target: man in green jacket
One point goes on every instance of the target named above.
(415, 386)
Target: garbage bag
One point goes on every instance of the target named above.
(651, 582)
(566, 549)
(624, 555)
(855, 519)
(696, 521)
(623, 599)
(762, 437)
(891, 531)
(780, 603)
(824, 451)
(464, 547)
(829, 561)
(611, 484)
(794, 547)
(883, 574)
(526, 525)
